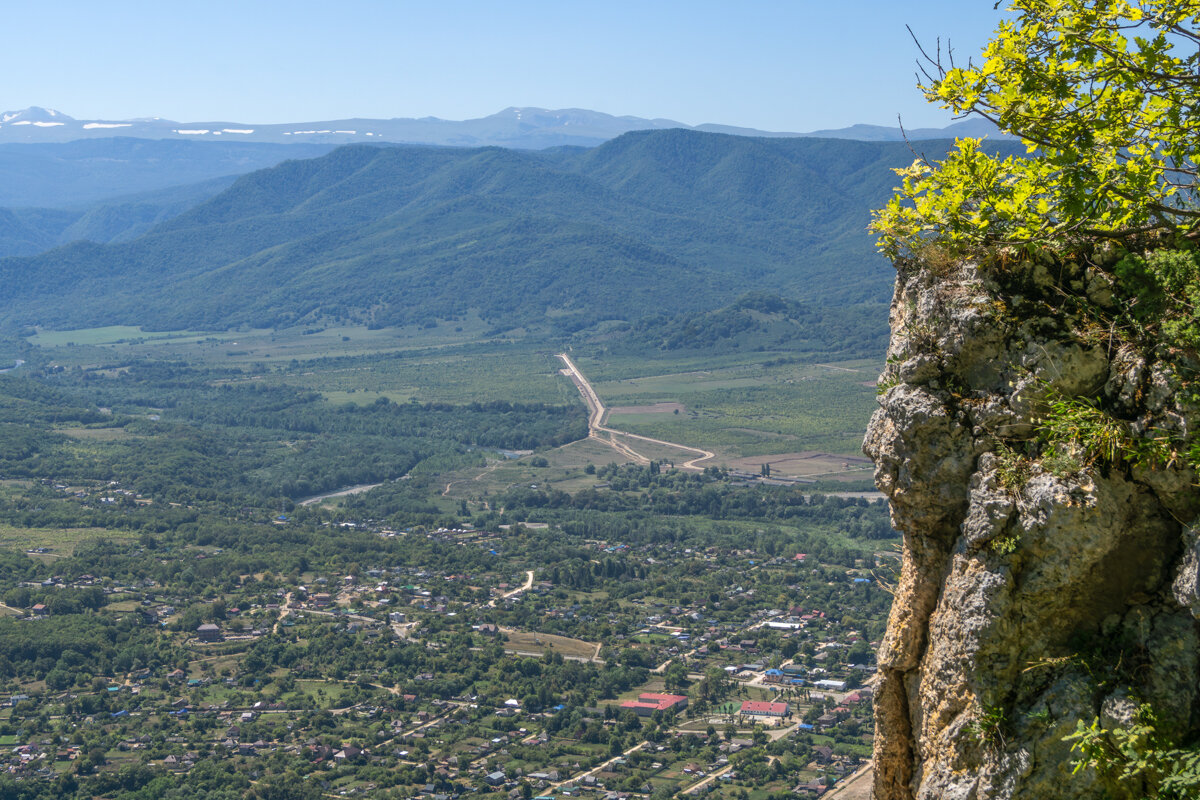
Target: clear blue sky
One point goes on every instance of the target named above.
(791, 65)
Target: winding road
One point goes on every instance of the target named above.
(596, 426)
(523, 588)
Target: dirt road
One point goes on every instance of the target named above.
(525, 588)
(596, 426)
(594, 770)
(856, 787)
(696, 787)
(284, 612)
(364, 487)
(486, 470)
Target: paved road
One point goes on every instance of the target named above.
(596, 426)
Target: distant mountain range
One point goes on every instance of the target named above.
(648, 223)
(523, 128)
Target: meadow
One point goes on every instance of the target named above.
(747, 407)
(56, 542)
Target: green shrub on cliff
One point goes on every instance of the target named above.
(1139, 753)
(1164, 288)
(1103, 94)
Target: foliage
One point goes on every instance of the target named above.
(1076, 428)
(1164, 287)
(675, 493)
(989, 726)
(1101, 93)
(1012, 468)
(1005, 545)
(1139, 757)
(219, 436)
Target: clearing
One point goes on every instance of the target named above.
(531, 643)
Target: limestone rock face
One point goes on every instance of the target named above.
(1036, 589)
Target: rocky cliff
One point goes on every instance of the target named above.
(1043, 582)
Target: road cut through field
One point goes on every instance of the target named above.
(615, 438)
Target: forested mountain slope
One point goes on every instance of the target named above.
(652, 220)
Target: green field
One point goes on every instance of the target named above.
(454, 374)
(754, 406)
(346, 364)
(740, 406)
(58, 542)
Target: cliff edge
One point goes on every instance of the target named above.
(1050, 557)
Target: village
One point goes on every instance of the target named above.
(506, 681)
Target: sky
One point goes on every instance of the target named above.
(778, 65)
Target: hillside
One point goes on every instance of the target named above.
(390, 235)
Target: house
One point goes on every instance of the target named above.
(495, 778)
(347, 753)
(209, 633)
(813, 788)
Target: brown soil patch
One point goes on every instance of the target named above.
(529, 642)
